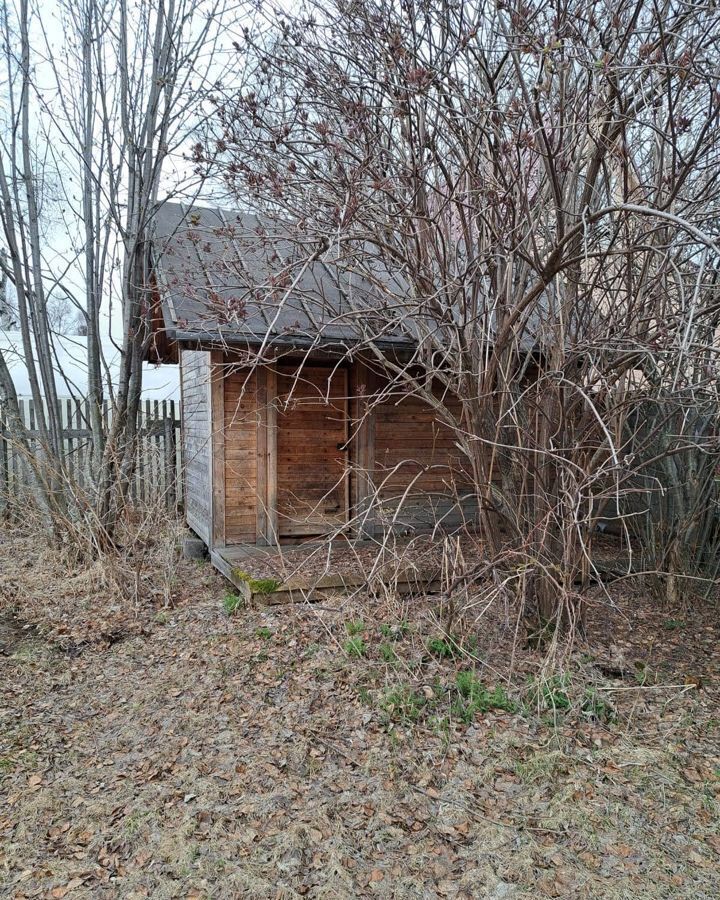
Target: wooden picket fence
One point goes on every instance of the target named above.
(158, 470)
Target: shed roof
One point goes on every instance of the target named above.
(230, 277)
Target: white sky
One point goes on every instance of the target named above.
(159, 382)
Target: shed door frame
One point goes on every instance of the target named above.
(269, 529)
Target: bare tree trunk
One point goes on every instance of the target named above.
(124, 102)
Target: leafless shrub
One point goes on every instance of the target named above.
(530, 192)
(104, 114)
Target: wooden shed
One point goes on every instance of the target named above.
(284, 438)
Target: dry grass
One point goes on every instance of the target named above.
(201, 755)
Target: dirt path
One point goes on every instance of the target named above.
(198, 755)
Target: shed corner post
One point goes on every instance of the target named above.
(217, 456)
(365, 449)
(267, 517)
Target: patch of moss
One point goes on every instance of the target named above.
(257, 585)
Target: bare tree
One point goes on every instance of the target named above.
(20, 216)
(531, 189)
(117, 105)
(8, 313)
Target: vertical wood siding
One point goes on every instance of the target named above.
(312, 431)
(242, 421)
(424, 476)
(197, 440)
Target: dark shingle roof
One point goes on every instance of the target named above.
(227, 276)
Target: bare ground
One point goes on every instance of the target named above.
(157, 747)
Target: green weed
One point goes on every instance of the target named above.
(476, 698)
(594, 707)
(394, 632)
(441, 726)
(133, 823)
(231, 602)
(355, 647)
(553, 692)
(355, 627)
(387, 652)
(263, 632)
(642, 673)
(364, 695)
(444, 648)
(403, 704)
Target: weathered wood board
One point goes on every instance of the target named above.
(311, 465)
(197, 441)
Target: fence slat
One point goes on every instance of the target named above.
(4, 476)
(157, 473)
(70, 459)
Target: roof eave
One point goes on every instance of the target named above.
(287, 341)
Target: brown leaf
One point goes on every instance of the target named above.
(713, 841)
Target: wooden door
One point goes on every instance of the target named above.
(312, 432)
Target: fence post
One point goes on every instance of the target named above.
(170, 464)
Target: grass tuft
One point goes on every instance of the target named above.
(355, 647)
(231, 602)
(395, 632)
(476, 698)
(403, 704)
(444, 648)
(387, 653)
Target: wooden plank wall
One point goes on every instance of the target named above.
(262, 462)
(243, 424)
(362, 448)
(420, 468)
(400, 442)
(197, 440)
(312, 433)
(217, 413)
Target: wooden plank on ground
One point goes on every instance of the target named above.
(227, 569)
(231, 562)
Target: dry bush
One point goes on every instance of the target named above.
(498, 177)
